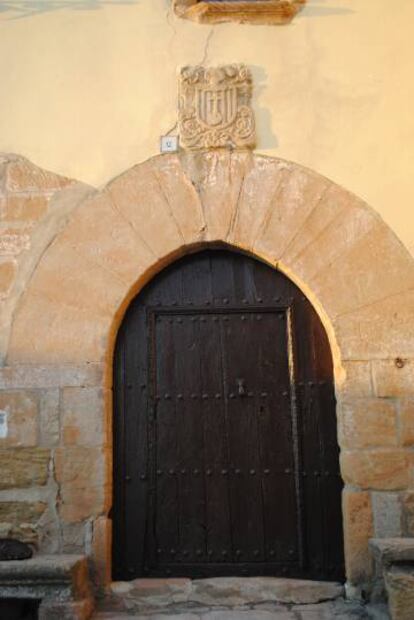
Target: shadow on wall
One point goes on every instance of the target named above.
(17, 9)
(264, 130)
(324, 8)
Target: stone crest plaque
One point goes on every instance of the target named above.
(215, 107)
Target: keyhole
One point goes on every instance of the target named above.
(241, 387)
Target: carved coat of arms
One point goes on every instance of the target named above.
(214, 107)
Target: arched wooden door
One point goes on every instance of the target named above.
(226, 455)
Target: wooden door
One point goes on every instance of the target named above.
(226, 456)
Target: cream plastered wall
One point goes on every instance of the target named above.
(88, 87)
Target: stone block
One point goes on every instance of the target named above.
(101, 234)
(350, 271)
(357, 381)
(20, 520)
(293, 201)
(24, 176)
(7, 273)
(358, 529)
(73, 610)
(379, 469)
(260, 184)
(26, 376)
(13, 243)
(387, 510)
(25, 207)
(140, 200)
(407, 422)
(49, 432)
(21, 411)
(24, 467)
(60, 582)
(83, 477)
(387, 551)
(392, 380)
(182, 197)
(399, 583)
(102, 551)
(63, 276)
(74, 335)
(232, 591)
(73, 537)
(367, 423)
(407, 501)
(83, 418)
(218, 177)
(379, 330)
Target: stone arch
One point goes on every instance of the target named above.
(341, 254)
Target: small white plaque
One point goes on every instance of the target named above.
(3, 424)
(169, 144)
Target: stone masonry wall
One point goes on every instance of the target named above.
(82, 260)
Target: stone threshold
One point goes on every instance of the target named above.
(152, 595)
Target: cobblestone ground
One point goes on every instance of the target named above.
(337, 610)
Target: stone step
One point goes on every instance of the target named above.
(152, 594)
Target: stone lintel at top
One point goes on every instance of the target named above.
(241, 11)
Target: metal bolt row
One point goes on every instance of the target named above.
(217, 396)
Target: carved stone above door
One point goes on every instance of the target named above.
(242, 11)
(215, 107)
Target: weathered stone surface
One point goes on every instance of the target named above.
(83, 417)
(366, 423)
(407, 422)
(51, 376)
(338, 610)
(391, 380)
(18, 512)
(75, 610)
(387, 510)
(223, 592)
(379, 330)
(380, 469)
(260, 184)
(65, 277)
(348, 271)
(74, 336)
(82, 475)
(7, 273)
(389, 550)
(239, 591)
(24, 467)
(139, 198)
(100, 234)
(21, 409)
(22, 175)
(151, 593)
(292, 202)
(13, 243)
(61, 581)
(358, 529)
(245, 11)
(25, 207)
(182, 197)
(407, 500)
(49, 432)
(399, 582)
(218, 178)
(357, 381)
(102, 551)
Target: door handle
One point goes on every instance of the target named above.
(241, 387)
